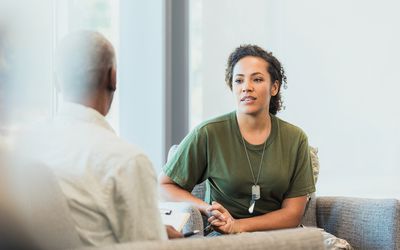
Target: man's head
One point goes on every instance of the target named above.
(86, 70)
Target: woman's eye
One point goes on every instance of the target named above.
(258, 80)
(238, 81)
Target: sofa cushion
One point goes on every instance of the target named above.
(364, 223)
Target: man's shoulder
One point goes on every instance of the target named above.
(100, 147)
(113, 146)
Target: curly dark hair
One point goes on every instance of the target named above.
(275, 70)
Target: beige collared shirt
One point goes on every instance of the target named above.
(110, 185)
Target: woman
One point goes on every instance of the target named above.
(257, 166)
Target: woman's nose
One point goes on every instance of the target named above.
(247, 86)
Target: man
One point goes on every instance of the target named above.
(110, 185)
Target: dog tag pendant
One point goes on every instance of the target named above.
(255, 192)
(252, 204)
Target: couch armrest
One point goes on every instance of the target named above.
(288, 239)
(364, 223)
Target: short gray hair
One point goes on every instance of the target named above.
(82, 58)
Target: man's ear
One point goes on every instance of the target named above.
(112, 79)
(275, 88)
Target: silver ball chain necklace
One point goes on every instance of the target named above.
(255, 189)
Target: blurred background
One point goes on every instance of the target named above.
(341, 60)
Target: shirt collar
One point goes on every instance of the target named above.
(83, 113)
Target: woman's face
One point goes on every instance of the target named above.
(251, 85)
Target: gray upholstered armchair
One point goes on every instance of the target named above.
(364, 223)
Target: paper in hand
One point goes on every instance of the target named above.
(176, 219)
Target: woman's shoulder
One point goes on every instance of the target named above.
(289, 128)
(216, 122)
(214, 127)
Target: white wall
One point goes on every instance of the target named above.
(341, 59)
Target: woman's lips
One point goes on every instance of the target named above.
(248, 99)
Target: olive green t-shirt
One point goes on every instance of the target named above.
(214, 152)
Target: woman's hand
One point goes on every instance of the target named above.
(221, 220)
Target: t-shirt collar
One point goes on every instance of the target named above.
(270, 139)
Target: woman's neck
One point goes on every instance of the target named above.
(255, 129)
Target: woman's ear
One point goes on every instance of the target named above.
(275, 88)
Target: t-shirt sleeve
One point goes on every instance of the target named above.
(188, 166)
(302, 180)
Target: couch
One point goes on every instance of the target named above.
(365, 223)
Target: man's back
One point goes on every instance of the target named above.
(110, 185)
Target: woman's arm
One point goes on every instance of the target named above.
(173, 192)
(288, 216)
